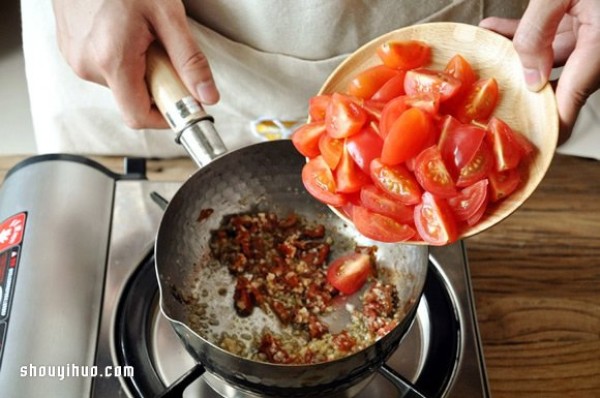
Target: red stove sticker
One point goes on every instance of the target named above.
(11, 231)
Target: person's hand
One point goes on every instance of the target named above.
(105, 41)
(558, 33)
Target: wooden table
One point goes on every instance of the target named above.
(536, 278)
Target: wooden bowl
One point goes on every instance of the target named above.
(534, 114)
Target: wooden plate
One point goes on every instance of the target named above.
(534, 114)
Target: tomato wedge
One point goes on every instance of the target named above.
(317, 106)
(364, 147)
(408, 136)
(373, 199)
(408, 54)
(434, 221)
(369, 81)
(306, 138)
(390, 113)
(459, 143)
(348, 176)
(478, 168)
(432, 174)
(391, 89)
(431, 81)
(344, 117)
(318, 180)
(479, 101)
(461, 69)
(349, 273)
(396, 181)
(507, 152)
(331, 150)
(467, 204)
(379, 227)
(503, 183)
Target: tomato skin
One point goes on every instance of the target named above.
(344, 117)
(364, 147)
(459, 143)
(390, 113)
(408, 54)
(507, 153)
(349, 273)
(479, 101)
(306, 138)
(467, 204)
(331, 150)
(391, 89)
(396, 181)
(408, 136)
(317, 107)
(348, 176)
(375, 200)
(461, 69)
(431, 81)
(319, 182)
(432, 174)
(478, 168)
(369, 81)
(379, 227)
(434, 221)
(503, 183)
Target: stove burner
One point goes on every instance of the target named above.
(144, 339)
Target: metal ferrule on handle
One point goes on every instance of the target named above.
(186, 117)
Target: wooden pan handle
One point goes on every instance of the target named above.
(194, 127)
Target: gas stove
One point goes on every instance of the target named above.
(79, 314)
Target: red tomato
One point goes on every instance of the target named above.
(390, 113)
(434, 221)
(461, 69)
(317, 106)
(428, 102)
(431, 81)
(396, 181)
(478, 168)
(348, 176)
(459, 143)
(306, 138)
(479, 101)
(432, 173)
(407, 54)
(350, 272)
(391, 89)
(318, 181)
(364, 147)
(507, 152)
(373, 199)
(467, 204)
(503, 183)
(344, 117)
(408, 136)
(369, 81)
(331, 150)
(379, 227)
(373, 109)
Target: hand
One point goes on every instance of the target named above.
(558, 33)
(105, 41)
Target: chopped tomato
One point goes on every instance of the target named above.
(390, 113)
(461, 69)
(428, 102)
(379, 227)
(478, 168)
(317, 106)
(468, 202)
(434, 221)
(407, 54)
(408, 136)
(306, 138)
(503, 183)
(364, 147)
(348, 176)
(373, 109)
(432, 173)
(373, 198)
(459, 143)
(344, 117)
(318, 181)
(507, 152)
(479, 101)
(349, 273)
(431, 81)
(391, 89)
(396, 181)
(331, 150)
(369, 81)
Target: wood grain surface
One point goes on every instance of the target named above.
(536, 278)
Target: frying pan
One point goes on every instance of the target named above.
(261, 177)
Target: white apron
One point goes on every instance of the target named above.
(268, 58)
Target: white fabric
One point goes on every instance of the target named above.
(268, 57)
